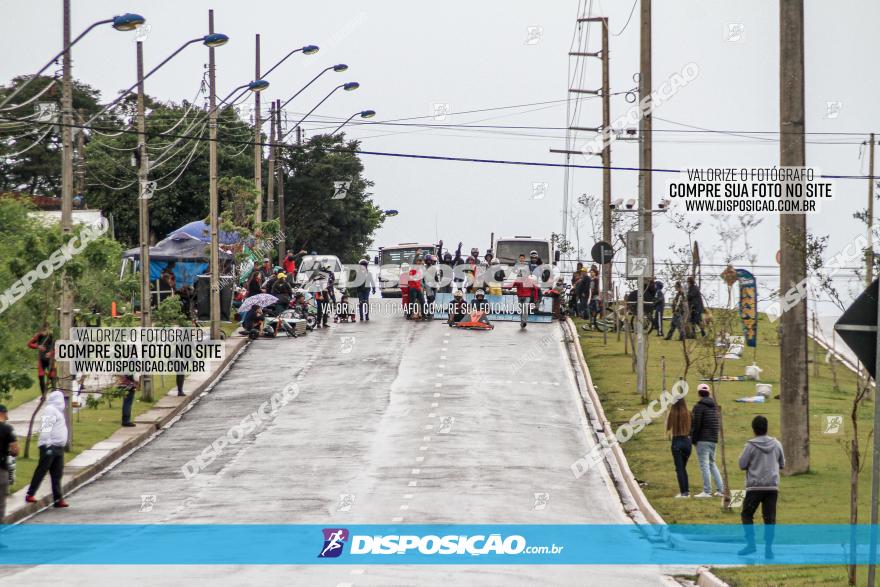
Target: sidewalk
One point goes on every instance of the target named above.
(92, 461)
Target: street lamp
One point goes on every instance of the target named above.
(213, 40)
(363, 114)
(348, 87)
(258, 123)
(257, 85)
(124, 22)
(338, 68)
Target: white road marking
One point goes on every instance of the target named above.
(413, 484)
(394, 519)
(434, 404)
(408, 496)
(416, 471)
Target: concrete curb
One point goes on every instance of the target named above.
(619, 467)
(705, 578)
(92, 461)
(630, 491)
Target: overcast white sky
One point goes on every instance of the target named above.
(474, 55)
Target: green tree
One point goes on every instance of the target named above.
(26, 241)
(315, 221)
(37, 171)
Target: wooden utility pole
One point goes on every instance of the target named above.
(214, 212)
(646, 118)
(282, 242)
(143, 213)
(270, 187)
(66, 317)
(258, 147)
(869, 250)
(80, 155)
(606, 156)
(794, 377)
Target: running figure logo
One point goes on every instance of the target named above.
(334, 541)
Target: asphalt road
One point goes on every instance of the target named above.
(393, 422)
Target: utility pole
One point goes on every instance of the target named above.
(794, 378)
(213, 214)
(869, 250)
(645, 200)
(144, 213)
(258, 148)
(606, 157)
(80, 155)
(646, 119)
(66, 318)
(270, 188)
(279, 165)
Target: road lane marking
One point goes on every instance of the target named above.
(408, 496)
(397, 519)
(413, 484)
(434, 404)
(416, 471)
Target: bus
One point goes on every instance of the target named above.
(391, 258)
(508, 250)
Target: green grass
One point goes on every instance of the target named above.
(818, 497)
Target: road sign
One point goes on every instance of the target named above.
(602, 253)
(858, 328)
(639, 254)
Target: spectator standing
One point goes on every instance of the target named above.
(53, 437)
(761, 459)
(705, 425)
(127, 385)
(363, 291)
(695, 303)
(678, 426)
(8, 448)
(678, 308)
(44, 342)
(659, 306)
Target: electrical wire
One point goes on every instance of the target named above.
(448, 158)
(628, 18)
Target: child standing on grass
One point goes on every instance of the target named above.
(678, 425)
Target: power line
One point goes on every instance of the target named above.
(421, 156)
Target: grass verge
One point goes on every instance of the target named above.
(818, 497)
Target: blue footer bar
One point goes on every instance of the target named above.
(257, 544)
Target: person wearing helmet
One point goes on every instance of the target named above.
(430, 281)
(416, 289)
(526, 288)
(363, 290)
(480, 302)
(444, 273)
(458, 309)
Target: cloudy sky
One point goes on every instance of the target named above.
(502, 64)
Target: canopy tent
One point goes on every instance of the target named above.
(189, 254)
(202, 231)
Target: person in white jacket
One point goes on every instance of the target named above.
(53, 437)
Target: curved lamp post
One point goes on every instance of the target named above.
(362, 114)
(124, 22)
(338, 68)
(212, 40)
(348, 87)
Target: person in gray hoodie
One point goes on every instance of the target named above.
(761, 459)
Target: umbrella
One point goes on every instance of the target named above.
(261, 300)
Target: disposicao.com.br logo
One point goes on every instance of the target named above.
(431, 544)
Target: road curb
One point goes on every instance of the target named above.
(705, 578)
(121, 442)
(626, 481)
